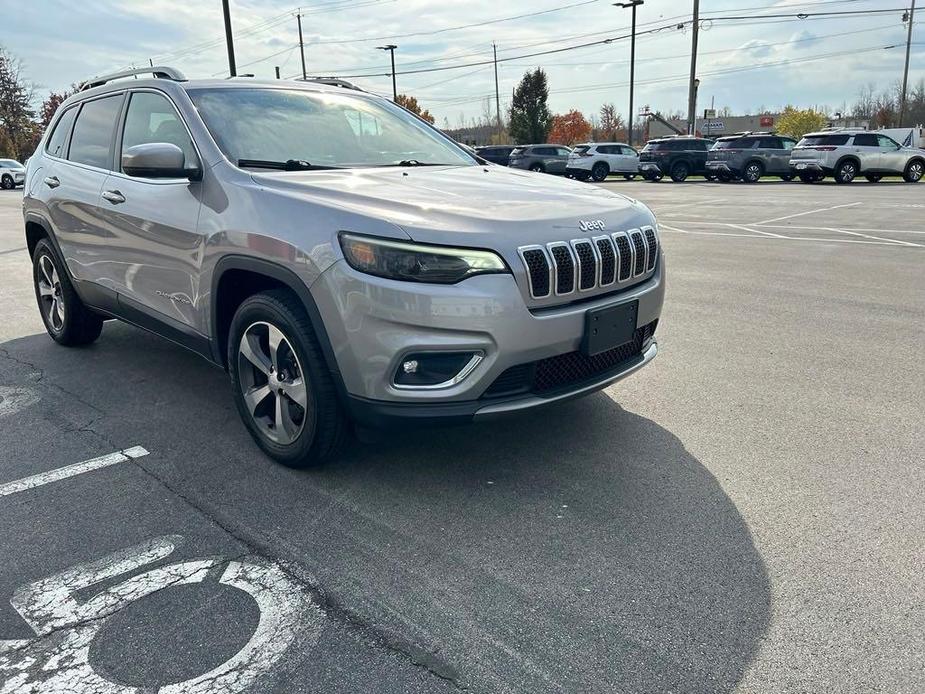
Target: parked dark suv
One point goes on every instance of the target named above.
(679, 157)
(496, 154)
(749, 156)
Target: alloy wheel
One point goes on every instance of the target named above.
(916, 170)
(752, 173)
(272, 382)
(847, 172)
(50, 293)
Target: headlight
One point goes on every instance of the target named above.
(414, 262)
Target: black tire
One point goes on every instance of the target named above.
(787, 177)
(914, 171)
(7, 182)
(846, 171)
(752, 172)
(538, 168)
(809, 178)
(874, 178)
(583, 176)
(324, 422)
(629, 177)
(724, 176)
(68, 321)
(680, 171)
(599, 171)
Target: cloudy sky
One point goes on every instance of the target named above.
(744, 64)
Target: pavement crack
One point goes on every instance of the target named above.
(39, 379)
(334, 608)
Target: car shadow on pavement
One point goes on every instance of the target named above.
(579, 548)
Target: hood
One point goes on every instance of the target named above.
(465, 205)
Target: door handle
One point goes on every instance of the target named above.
(52, 181)
(113, 196)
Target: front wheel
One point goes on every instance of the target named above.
(752, 172)
(680, 172)
(599, 171)
(846, 172)
(282, 388)
(7, 183)
(914, 171)
(68, 321)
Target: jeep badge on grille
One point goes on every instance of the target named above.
(591, 224)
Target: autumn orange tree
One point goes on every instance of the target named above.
(569, 128)
(410, 103)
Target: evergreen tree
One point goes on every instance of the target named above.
(530, 119)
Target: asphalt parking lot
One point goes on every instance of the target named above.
(745, 515)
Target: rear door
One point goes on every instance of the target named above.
(775, 158)
(867, 148)
(155, 249)
(75, 183)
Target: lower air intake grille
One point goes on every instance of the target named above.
(568, 370)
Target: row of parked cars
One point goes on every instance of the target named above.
(841, 154)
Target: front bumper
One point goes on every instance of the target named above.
(374, 324)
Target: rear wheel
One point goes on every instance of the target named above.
(914, 171)
(7, 182)
(680, 172)
(66, 318)
(282, 388)
(752, 172)
(599, 171)
(873, 178)
(846, 171)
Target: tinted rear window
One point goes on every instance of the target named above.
(93, 131)
(57, 142)
(830, 140)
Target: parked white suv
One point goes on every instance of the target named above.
(846, 154)
(596, 160)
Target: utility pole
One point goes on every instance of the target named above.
(632, 4)
(692, 89)
(229, 40)
(298, 18)
(494, 48)
(391, 49)
(902, 103)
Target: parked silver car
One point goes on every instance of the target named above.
(340, 257)
(846, 154)
(543, 158)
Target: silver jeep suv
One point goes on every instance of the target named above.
(846, 154)
(341, 258)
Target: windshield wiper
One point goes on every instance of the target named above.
(415, 162)
(288, 165)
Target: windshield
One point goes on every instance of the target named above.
(321, 128)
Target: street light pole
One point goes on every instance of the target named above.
(632, 4)
(902, 103)
(229, 40)
(391, 49)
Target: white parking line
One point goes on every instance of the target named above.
(61, 473)
(877, 231)
(800, 214)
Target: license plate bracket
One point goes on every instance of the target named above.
(609, 326)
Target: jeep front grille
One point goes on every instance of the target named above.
(583, 265)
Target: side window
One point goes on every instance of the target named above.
(629, 151)
(866, 140)
(563, 151)
(57, 142)
(152, 118)
(93, 131)
(787, 144)
(769, 143)
(887, 142)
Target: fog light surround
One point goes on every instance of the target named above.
(434, 370)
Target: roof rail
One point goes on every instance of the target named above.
(158, 71)
(331, 81)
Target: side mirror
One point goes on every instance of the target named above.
(158, 160)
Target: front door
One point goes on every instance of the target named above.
(892, 156)
(155, 251)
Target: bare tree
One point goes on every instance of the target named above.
(18, 132)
